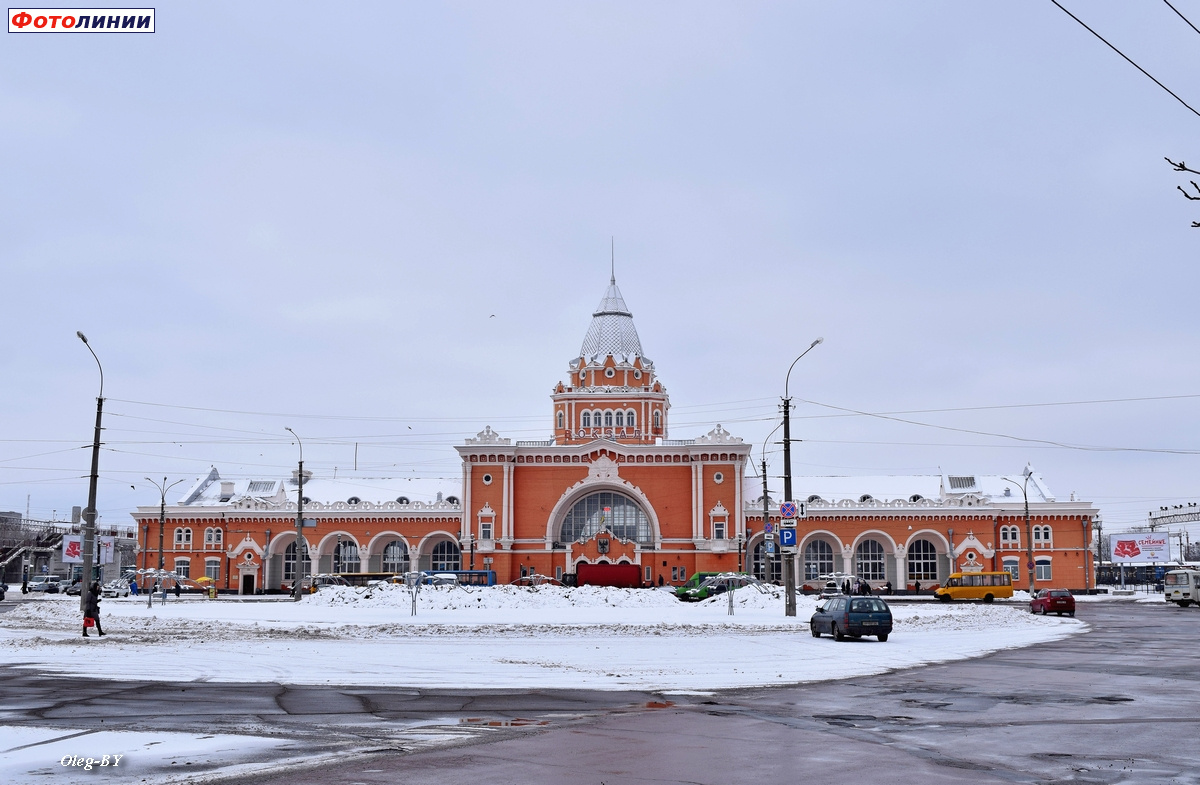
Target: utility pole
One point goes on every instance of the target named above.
(789, 562)
(301, 546)
(766, 518)
(89, 515)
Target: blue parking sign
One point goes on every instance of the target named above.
(787, 537)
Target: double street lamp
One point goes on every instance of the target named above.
(301, 548)
(1024, 486)
(789, 571)
(162, 522)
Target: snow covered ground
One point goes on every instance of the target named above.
(501, 637)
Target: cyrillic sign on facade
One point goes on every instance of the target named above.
(81, 20)
(1140, 548)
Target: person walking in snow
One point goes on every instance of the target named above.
(91, 609)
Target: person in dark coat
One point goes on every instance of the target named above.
(916, 587)
(177, 590)
(91, 609)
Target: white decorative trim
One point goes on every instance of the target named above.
(718, 435)
(488, 436)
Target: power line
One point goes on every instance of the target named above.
(1127, 58)
(1181, 16)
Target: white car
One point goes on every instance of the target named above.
(115, 588)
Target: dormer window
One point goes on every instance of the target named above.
(866, 497)
(916, 497)
(402, 500)
(354, 500)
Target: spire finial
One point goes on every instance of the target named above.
(612, 268)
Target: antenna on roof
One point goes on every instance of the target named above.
(612, 264)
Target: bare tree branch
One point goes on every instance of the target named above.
(1180, 167)
(1188, 195)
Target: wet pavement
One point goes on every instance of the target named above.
(1119, 704)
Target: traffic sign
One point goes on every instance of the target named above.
(787, 537)
(787, 510)
(770, 527)
(769, 537)
(770, 547)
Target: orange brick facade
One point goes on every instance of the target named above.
(611, 487)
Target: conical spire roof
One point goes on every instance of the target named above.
(611, 331)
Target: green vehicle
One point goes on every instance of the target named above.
(703, 585)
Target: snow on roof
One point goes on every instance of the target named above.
(215, 490)
(611, 331)
(892, 487)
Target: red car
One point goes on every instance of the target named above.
(1057, 601)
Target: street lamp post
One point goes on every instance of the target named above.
(89, 515)
(301, 549)
(789, 573)
(162, 521)
(766, 515)
(1024, 486)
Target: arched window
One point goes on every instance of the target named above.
(559, 421)
(183, 537)
(446, 557)
(183, 568)
(620, 418)
(766, 566)
(395, 557)
(345, 557)
(868, 560)
(212, 569)
(1044, 572)
(289, 562)
(218, 536)
(587, 419)
(208, 537)
(922, 561)
(619, 514)
(608, 418)
(657, 420)
(818, 559)
(630, 419)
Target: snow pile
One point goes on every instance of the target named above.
(502, 636)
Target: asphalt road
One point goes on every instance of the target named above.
(1119, 704)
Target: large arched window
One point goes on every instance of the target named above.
(630, 419)
(345, 557)
(608, 418)
(395, 557)
(289, 562)
(446, 557)
(620, 418)
(818, 559)
(587, 419)
(922, 561)
(619, 514)
(868, 560)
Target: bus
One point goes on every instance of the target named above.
(466, 577)
(1182, 587)
(985, 586)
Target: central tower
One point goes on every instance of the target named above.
(611, 392)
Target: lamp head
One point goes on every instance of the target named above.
(818, 341)
(82, 337)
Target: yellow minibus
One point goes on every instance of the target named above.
(985, 586)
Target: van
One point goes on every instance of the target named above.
(985, 586)
(1182, 587)
(693, 583)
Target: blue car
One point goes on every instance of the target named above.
(852, 616)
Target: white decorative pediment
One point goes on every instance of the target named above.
(488, 436)
(247, 544)
(718, 510)
(971, 544)
(718, 435)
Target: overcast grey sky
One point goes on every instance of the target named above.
(314, 211)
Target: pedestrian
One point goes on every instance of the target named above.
(133, 587)
(177, 590)
(846, 586)
(660, 579)
(91, 610)
(916, 587)
(865, 589)
(887, 588)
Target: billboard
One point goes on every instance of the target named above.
(1140, 547)
(72, 546)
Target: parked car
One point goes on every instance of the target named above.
(1058, 601)
(693, 583)
(115, 588)
(831, 589)
(75, 589)
(46, 584)
(853, 616)
(718, 584)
